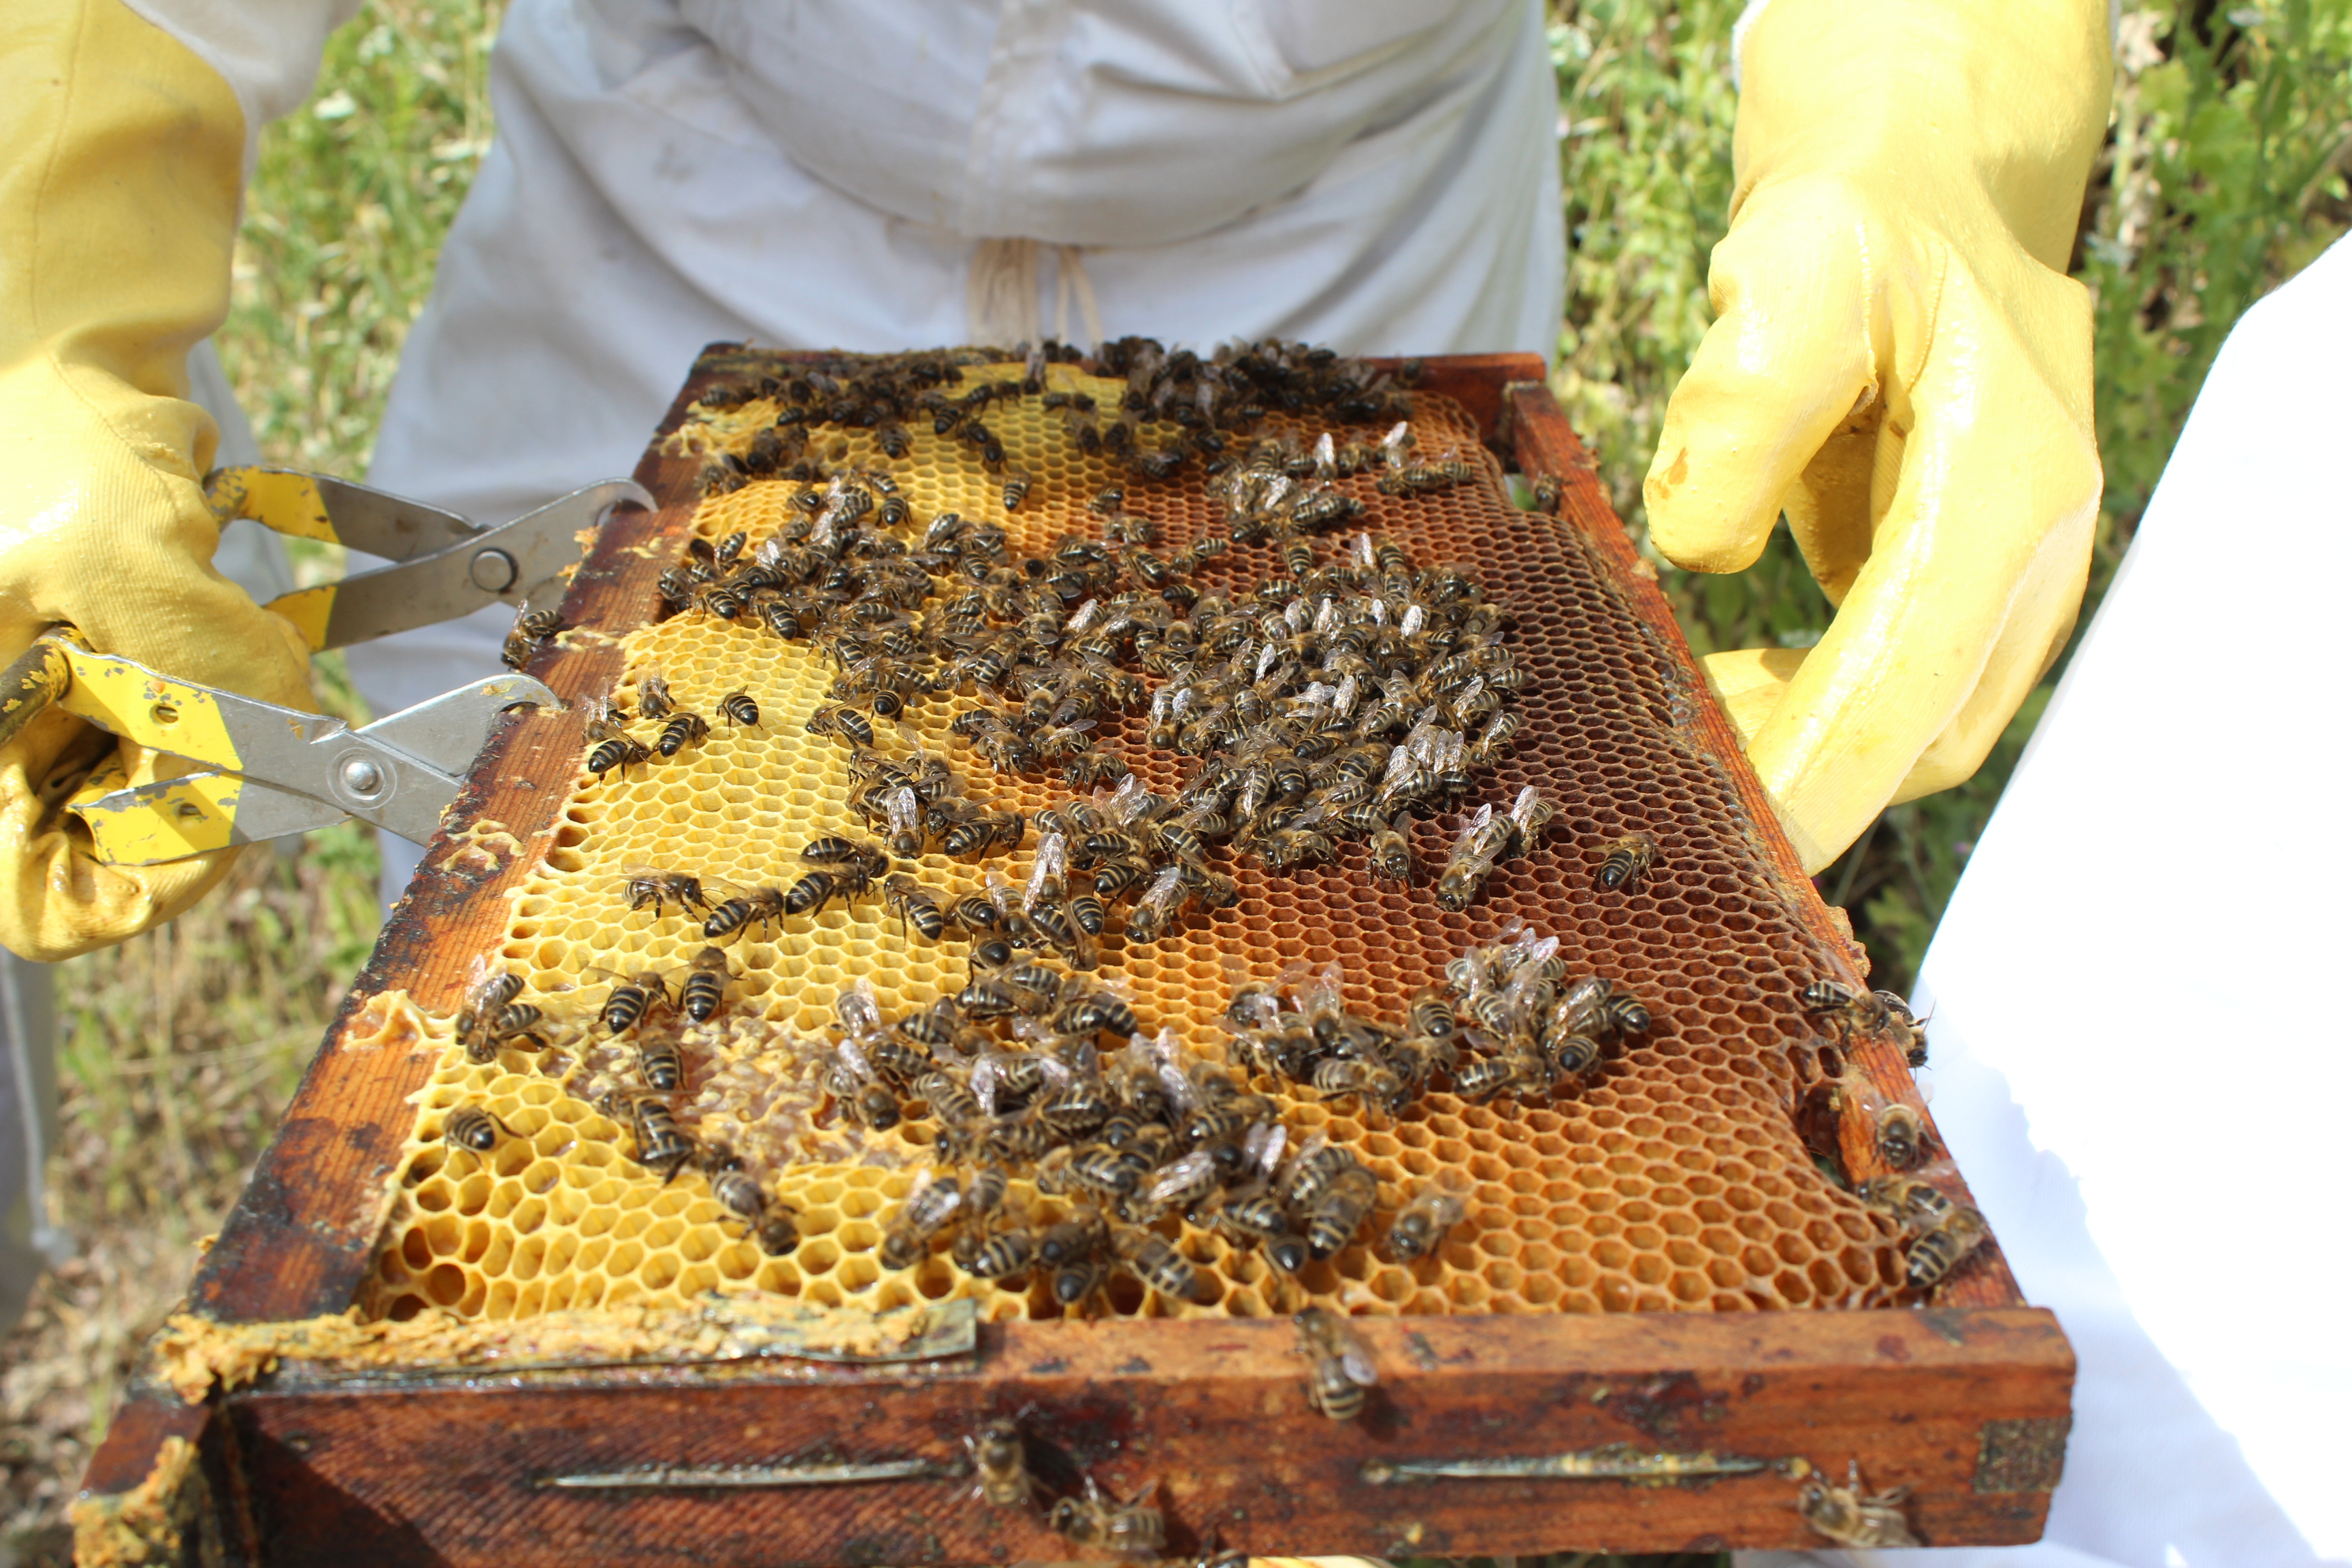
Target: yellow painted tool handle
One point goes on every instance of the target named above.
(279, 500)
(285, 503)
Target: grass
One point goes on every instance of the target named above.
(2224, 172)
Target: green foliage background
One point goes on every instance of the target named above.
(2224, 172)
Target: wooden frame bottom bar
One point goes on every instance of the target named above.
(1652, 1434)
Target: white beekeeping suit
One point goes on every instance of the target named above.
(1381, 178)
(2138, 1055)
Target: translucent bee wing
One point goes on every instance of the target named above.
(1412, 620)
(1316, 1143)
(1473, 828)
(1179, 1175)
(1357, 1362)
(1533, 812)
(1261, 1147)
(932, 1200)
(1049, 872)
(856, 1009)
(1167, 883)
(989, 1072)
(1124, 803)
(903, 809)
(1083, 617)
(999, 892)
(1344, 697)
(854, 1060)
(1396, 443)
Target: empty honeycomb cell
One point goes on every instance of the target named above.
(444, 1284)
(1634, 1172)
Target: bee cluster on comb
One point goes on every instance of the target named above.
(948, 900)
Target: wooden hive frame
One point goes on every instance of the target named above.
(1639, 1431)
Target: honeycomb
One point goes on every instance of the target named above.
(1673, 1179)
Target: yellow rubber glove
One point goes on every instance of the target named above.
(120, 154)
(1899, 361)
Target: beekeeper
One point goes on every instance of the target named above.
(1900, 361)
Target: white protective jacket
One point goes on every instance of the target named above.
(1380, 175)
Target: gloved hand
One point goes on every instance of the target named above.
(1899, 360)
(120, 154)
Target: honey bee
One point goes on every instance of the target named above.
(1184, 1185)
(1431, 1015)
(531, 628)
(1135, 1529)
(1067, 938)
(1901, 1135)
(1916, 1203)
(683, 728)
(738, 709)
(915, 906)
(1016, 490)
(1000, 1461)
(487, 991)
(770, 1220)
(907, 1237)
(1935, 1253)
(653, 698)
(1340, 1373)
(1851, 1517)
(1486, 1076)
(614, 749)
(864, 861)
(847, 723)
(949, 1098)
(892, 440)
(1335, 1077)
(646, 888)
(1898, 1013)
(744, 907)
(631, 998)
(1867, 1013)
(997, 1256)
(661, 1064)
(983, 832)
(1392, 852)
(858, 1091)
(704, 990)
(1338, 1212)
(474, 1127)
(490, 1021)
(1545, 493)
(1423, 1223)
(1625, 862)
(661, 1142)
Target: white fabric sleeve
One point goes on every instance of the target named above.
(267, 50)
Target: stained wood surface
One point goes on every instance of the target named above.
(445, 1473)
(1214, 1413)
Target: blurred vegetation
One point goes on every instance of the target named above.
(2225, 172)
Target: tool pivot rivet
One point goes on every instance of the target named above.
(362, 776)
(494, 571)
